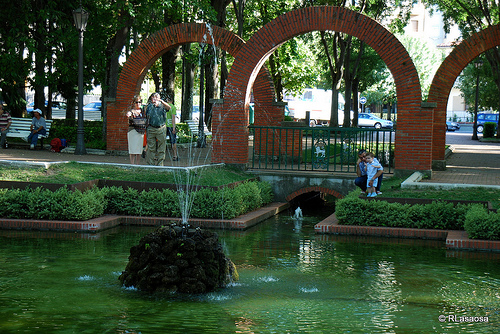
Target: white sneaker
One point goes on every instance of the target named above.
(379, 193)
(32, 147)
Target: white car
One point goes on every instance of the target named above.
(370, 120)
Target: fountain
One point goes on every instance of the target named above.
(178, 259)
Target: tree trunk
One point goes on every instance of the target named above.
(39, 86)
(274, 66)
(187, 84)
(211, 76)
(355, 93)
(168, 61)
(113, 50)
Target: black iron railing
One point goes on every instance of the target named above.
(318, 148)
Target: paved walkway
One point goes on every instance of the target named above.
(472, 162)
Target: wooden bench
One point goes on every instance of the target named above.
(194, 128)
(20, 128)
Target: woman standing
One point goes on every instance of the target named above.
(136, 129)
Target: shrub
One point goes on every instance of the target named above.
(482, 224)
(266, 192)
(63, 128)
(61, 204)
(64, 204)
(489, 130)
(352, 210)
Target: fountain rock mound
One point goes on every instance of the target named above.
(178, 259)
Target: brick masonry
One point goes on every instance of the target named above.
(109, 221)
(454, 239)
(314, 189)
(446, 75)
(255, 52)
(424, 142)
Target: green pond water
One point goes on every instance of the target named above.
(291, 281)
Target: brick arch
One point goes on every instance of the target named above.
(135, 69)
(446, 75)
(232, 147)
(314, 189)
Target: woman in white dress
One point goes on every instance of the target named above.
(136, 129)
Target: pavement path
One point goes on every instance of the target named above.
(472, 162)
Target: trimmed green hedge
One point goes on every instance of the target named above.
(482, 224)
(352, 210)
(68, 205)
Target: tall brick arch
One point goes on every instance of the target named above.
(411, 141)
(150, 49)
(446, 75)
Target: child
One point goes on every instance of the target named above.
(373, 167)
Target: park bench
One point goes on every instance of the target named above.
(20, 128)
(194, 128)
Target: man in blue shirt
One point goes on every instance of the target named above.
(38, 127)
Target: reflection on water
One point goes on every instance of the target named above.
(291, 281)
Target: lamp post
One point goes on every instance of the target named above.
(201, 124)
(80, 16)
(477, 65)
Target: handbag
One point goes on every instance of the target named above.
(139, 124)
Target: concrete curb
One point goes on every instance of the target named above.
(99, 224)
(413, 182)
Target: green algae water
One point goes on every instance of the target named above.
(291, 281)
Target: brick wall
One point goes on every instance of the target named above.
(255, 52)
(139, 62)
(446, 75)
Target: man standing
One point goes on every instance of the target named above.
(5, 122)
(171, 130)
(156, 114)
(38, 128)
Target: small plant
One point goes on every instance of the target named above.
(489, 130)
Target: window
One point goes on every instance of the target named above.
(414, 25)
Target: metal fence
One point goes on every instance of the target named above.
(318, 148)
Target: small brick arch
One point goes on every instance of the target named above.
(446, 75)
(314, 189)
(232, 147)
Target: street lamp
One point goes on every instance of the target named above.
(477, 64)
(80, 16)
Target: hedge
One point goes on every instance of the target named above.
(475, 219)
(64, 204)
(482, 224)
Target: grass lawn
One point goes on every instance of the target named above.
(75, 172)
(392, 188)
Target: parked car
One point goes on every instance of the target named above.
(452, 126)
(56, 105)
(485, 117)
(92, 106)
(370, 120)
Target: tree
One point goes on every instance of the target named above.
(14, 37)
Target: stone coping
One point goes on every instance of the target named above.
(99, 224)
(454, 239)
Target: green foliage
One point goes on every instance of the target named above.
(228, 203)
(64, 204)
(482, 224)
(489, 130)
(352, 210)
(61, 204)
(67, 129)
